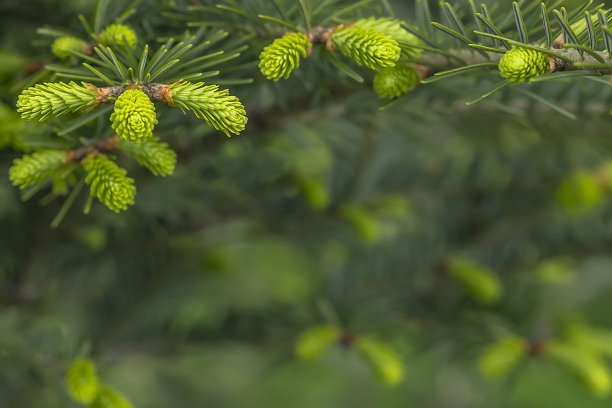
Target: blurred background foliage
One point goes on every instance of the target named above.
(332, 255)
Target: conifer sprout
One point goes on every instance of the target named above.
(367, 46)
(382, 359)
(134, 116)
(82, 382)
(36, 167)
(218, 108)
(586, 366)
(393, 28)
(109, 398)
(499, 358)
(108, 182)
(153, 154)
(43, 101)
(119, 34)
(281, 57)
(316, 341)
(477, 280)
(63, 47)
(395, 81)
(523, 64)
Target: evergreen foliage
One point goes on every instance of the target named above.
(342, 250)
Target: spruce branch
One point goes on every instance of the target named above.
(108, 182)
(43, 101)
(217, 107)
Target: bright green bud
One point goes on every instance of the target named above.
(108, 182)
(134, 116)
(502, 356)
(153, 154)
(82, 381)
(477, 280)
(588, 368)
(218, 108)
(523, 64)
(54, 99)
(394, 29)
(119, 34)
(363, 221)
(109, 398)
(281, 57)
(395, 81)
(316, 341)
(63, 47)
(382, 359)
(36, 167)
(581, 190)
(367, 46)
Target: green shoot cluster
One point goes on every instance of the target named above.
(43, 101)
(367, 46)
(36, 167)
(523, 64)
(218, 108)
(395, 81)
(134, 116)
(109, 183)
(281, 57)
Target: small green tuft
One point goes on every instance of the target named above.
(119, 34)
(134, 116)
(523, 64)
(315, 341)
(479, 281)
(109, 398)
(64, 47)
(153, 154)
(383, 360)
(218, 108)
(395, 81)
(394, 29)
(281, 57)
(500, 357)
(54, 99)
(82, 382)
(367, 46)
(36, 167)
(108, 182)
